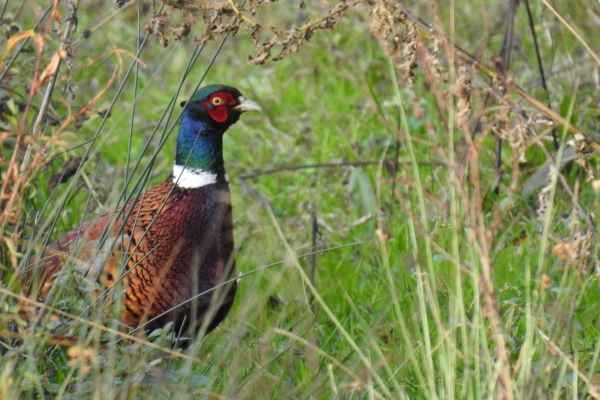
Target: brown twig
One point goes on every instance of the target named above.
(313, 257)
(390, 163)
(62, 54)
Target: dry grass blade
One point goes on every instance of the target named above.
(92, 324)
(592, 388)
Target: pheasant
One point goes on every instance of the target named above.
(165, 249)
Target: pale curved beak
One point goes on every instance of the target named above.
(247, 105)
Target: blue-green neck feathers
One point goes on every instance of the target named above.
(199, 149)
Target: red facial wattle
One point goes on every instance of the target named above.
(219, 112)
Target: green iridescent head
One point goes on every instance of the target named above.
(207, 115)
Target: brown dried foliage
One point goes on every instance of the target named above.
(398, 40)
(463, 93)
(221, 17)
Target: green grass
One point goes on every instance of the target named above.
(407, 317)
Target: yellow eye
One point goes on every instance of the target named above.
(216, 101)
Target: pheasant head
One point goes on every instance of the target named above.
(207, 115)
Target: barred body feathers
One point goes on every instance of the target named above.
(169, 251)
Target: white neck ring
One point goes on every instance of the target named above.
(192, 178)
